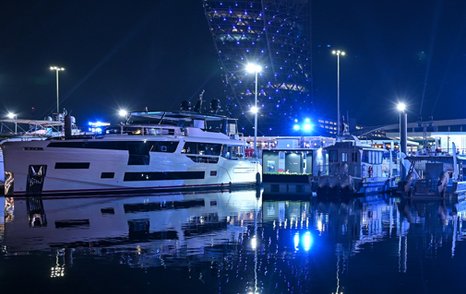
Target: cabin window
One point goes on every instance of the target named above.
(72, 165)
(354, 157)
(107, 175)
(163, 176)
(201, 148)
(232, 152)
(152, 146)
(333, 156)
(344, 157)
(373, 157)
(365, 156)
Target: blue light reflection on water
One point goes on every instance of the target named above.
(232, 242)
(304, 241)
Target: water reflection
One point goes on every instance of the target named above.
(338, 232)
(234, 242)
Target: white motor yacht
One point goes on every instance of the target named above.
(152, 151)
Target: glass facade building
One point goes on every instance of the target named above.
(275, 34)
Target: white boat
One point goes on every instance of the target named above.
(153, 151)
(355, 168)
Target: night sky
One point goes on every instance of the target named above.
(158, 53)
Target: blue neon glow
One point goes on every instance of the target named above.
(307, 127)
(296, 240)
(303, 241)
(307, 240)
(97, 124)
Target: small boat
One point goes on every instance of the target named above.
(152, 151)
(356, 168)
(434, 174)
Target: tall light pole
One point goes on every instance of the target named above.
(12, 115)
(57, 69)
(255, 69)
(401, 107)
(338, 53)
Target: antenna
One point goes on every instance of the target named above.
(198, 106)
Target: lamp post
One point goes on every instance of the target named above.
(338, 53)
(12, 115)
(255, 69)
(57, 69)
(123, 113)
(401, 107)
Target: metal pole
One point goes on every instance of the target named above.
(403, 140)
(255, 116)
(338, 96)
(58, 103)
(16, 124)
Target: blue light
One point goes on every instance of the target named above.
(296, 127)
(307, 120)
(296, 240)
(97, 124)
(307, 128)
(96, 127)
(307, 241)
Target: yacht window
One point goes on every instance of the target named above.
(333, 156)
(344, 157)
(379, 157)
(365, 156)
(232, 152)
(153, 146)
(202, 148)
(151, 131)
(133, 131)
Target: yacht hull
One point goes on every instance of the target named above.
(37, 168)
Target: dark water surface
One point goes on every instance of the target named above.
(231, 243)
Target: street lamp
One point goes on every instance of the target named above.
(254, 68)
(57, 69)
(338, 53)
(401, 107)
(12, 115)
(123, 113)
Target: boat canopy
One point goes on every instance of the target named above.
(208, 122)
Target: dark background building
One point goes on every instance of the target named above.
(275, 34)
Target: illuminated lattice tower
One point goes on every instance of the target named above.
(276, 34)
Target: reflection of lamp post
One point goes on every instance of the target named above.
(57, 69)
(255, 69)
(254, 243)
(338, 53)
(401, 107)
(12, 115)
